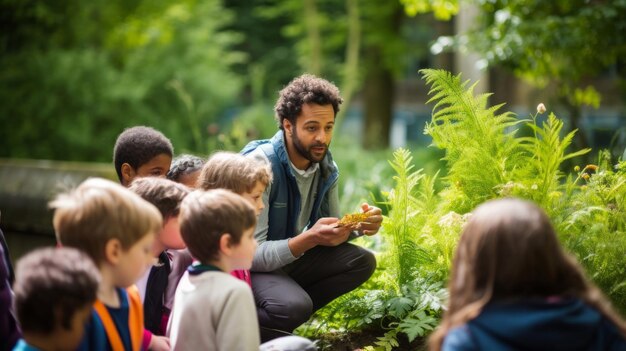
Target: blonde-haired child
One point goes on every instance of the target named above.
(116, 229)
(243, 175)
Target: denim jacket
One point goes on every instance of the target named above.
(284, 199)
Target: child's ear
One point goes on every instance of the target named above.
(226, 244)
(112, 251)
(128, 173)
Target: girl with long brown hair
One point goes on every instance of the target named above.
(513, 287)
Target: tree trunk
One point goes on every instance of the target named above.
(311, 18)
(378, 93)
(381, 62)
(580, 141)
(350, 80)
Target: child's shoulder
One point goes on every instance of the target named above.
(219, 282)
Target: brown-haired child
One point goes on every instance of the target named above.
(514, 288)
(212, 309)
(54, 292)
(157, 285)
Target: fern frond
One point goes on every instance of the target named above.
(546, 152)
(481, 150)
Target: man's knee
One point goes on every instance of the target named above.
(286, 312)
(364, 265)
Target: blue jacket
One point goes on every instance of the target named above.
(568, 325)
(284, 198)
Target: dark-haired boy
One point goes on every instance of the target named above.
(54, 292)
(141, 152)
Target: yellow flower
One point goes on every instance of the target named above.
(541, 108)
(577, 169)
(591, 167)
(585, 176)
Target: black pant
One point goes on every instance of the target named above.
(287, 297)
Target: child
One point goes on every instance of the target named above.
(185, 169)
(116, 228)
(213, 310)
(243, 175)
(141, 152)
(157, 286)
(54, 292)
(513, 288)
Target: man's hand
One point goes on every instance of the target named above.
(325, 232)
(374, 220)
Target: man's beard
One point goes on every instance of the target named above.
(306, 151)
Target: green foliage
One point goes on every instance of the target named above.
(402, 247)
(593, 226)
(546, 151)
(565, 40)
(442, 9)
(481, 150)
(81, 76)
(420, 232)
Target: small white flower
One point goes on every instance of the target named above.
(541, 108)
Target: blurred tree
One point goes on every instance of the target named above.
(563, 43)
(74, 74)
(273, 59)
(385, 51)
(356, 44)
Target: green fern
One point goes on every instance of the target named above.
(405, 212)
(546, 152)
(480, 147)
(593, 227)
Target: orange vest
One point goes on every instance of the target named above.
(135, 322)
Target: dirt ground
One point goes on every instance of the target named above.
(357, 341)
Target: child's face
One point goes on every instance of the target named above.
(255, 197)
(243, 253)
(134, 262)
(69, 339)
(170, 235)
(156, 167)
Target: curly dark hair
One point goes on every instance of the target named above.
(302, 90)
(52, 285)
(184, 164)
(138, 145)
